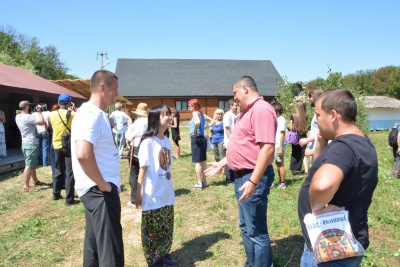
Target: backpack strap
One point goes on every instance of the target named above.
(68, 116)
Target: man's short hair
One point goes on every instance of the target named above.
(231, 102)
(118, 106)
(102, 76)
(23, 104)
(341, 100)
(248, 81)
(278, 108)
(315, 92)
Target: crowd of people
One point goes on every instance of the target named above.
(342, 175)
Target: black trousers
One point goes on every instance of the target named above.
(133, 177)
(103, 245)
(64, 164)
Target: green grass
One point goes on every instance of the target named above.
(37, 231)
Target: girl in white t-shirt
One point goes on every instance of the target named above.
(155, 191)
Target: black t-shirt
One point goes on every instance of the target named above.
(356, 157)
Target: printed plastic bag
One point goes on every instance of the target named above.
(331, 236)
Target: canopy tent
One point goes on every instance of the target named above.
(82, 86)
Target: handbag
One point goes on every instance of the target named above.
(209, 145)
(292, 138)
(331, 236)
(208, 140)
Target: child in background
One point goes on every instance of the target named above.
(155, 191)
(280, 145)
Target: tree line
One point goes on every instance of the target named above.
(25, 52)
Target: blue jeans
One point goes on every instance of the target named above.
(308, 260)
(253, 220)
(44, 148)
(120, 142)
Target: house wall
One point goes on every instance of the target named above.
(383, 118)
(208, 105)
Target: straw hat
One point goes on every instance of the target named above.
(141, 110)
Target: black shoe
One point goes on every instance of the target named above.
(57, 196)
(168, 261)
(74, 202)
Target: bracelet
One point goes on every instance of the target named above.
(252, 182)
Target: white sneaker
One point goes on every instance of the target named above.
(282, 186)
(198, 186)
(130, 203)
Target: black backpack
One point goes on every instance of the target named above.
(392, 138)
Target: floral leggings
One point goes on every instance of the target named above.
(157, 232)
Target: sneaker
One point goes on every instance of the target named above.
(198, 186)
(130, 203)
(168, 261)
(204, 184)
(282, 186)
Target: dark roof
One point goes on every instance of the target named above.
(192, 77)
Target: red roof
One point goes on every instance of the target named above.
(18, 78)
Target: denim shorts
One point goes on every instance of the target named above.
(31, 153)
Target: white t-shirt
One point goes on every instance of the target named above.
(120, 119)
(279, 129)
(46, 116)
(157, 189)
(313, 131)
(92, 124)
(27, 126)
(229, 120)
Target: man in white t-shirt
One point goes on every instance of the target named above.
(44, 138)
(95, 163)
(26, 123)
(280, 145)
(313, 94)
(119, 121)
(229, 122)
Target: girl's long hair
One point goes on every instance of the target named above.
(154, 120)
(300, 118)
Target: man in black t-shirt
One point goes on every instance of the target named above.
(344, 174)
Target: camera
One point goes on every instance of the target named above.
(36, 107)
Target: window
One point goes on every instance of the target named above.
(223, 104)
(181, 105)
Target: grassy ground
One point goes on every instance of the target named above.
(37, 231)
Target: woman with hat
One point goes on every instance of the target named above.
(134, 135)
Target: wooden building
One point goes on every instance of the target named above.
(174, 82)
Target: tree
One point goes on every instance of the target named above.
(24, 52)
(379, 81)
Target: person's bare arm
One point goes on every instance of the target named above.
(196, 120)
(228, 131)
(175, 123)
(138, 197)
(41, 119)
(86, 158)
(324, 185)
(281, 141)
(264, 156)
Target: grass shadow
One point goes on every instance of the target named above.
(287, 251)
(195, 250)
(182, 191)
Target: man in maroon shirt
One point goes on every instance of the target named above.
(250, 154)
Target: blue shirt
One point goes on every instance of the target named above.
(218, 133)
